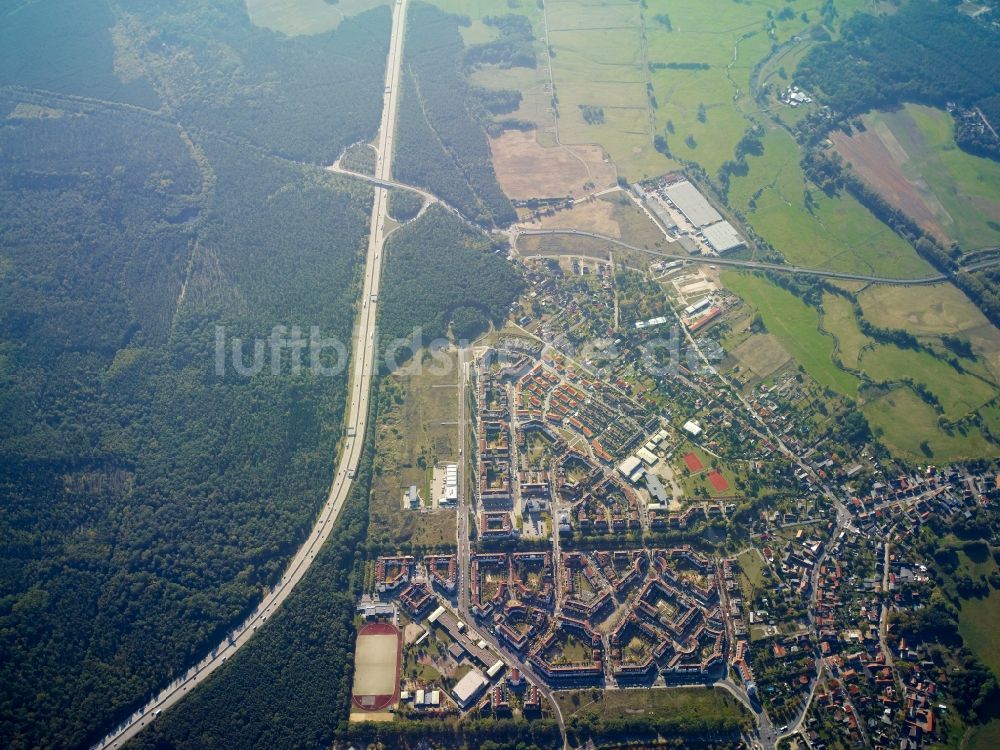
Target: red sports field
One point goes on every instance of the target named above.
(719, 482)
(377, 663)
(693, 462)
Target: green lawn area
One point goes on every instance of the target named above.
(667, 703)
(752, 566)
(301, 17)
(575, 651)
(977, 623)
(796, 325)
(985, 737)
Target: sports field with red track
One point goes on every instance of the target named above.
(719, 482)
(693, 462)
(377, 663)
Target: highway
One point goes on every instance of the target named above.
(363, 367)
(754, 264)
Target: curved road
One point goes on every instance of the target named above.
(360, 386)
(754, 264)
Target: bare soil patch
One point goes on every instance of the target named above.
(527, 170)
(589, 216)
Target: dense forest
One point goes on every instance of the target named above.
(513, 48)
(439, 268)
(926, 52)
(148, 499)
(441, 145)
(290, 687)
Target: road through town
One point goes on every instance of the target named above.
(362, 368)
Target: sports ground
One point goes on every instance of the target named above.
(376, 667)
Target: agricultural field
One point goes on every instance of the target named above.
(909, 155)
(525, 169)
(416, 430)
(302, 17)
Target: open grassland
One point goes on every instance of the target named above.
(910, 156)
(838, 233)
(937, 310)
(959, 393)
(413, 434)
(635, 225)
(300, 17)
(665, 704)
(597, 60)
(983, 737)
(796, 326)
(762, 354)
(699, 103)
(536, 101)
(752, 567)
(977, 622)
(839, 321)
(590, 216)
(712, 104)
(910, 429)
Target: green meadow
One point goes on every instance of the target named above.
(796, 325)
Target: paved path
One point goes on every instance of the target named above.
(363, 366)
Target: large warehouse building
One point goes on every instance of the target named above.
(722, 237)
(692, 204)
